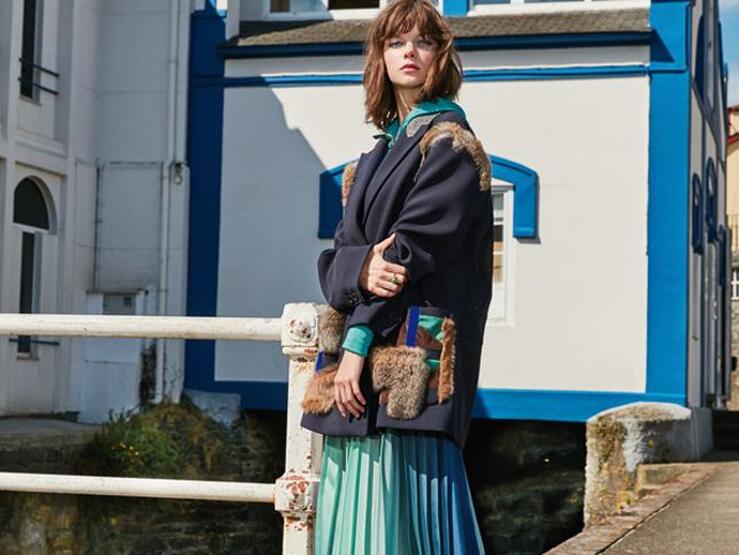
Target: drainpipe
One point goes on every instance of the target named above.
(167, 169)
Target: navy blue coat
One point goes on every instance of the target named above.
(434, 194)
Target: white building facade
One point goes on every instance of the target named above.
(604, 124)
(93, 191)
(152, 151)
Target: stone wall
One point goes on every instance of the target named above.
(252, 450)
(528, 483)
(527, 480)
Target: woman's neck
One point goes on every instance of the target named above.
(405, 100)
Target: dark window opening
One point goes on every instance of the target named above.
(29, 206)
(28, 49)
(352, 4)
(28, 258)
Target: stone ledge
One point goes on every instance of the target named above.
(43, 432)
(599, 537)
(621, 439)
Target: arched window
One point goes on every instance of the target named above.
(711, 201)
(31, 212)
(697, 216)
(29, 205)
(700, 60)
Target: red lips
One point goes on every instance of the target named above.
(409, 66)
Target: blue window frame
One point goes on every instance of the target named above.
(525, 197)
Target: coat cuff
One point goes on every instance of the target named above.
(340, 276)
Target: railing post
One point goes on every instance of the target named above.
(296, 490)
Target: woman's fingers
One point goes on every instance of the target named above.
(350, 403)
(358, 392)
(339, 402)
(348, 397)
(391, 267)
(384, 289)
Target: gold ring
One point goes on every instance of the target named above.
(394, 278)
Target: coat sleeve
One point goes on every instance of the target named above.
(338, 272)
(430, 228)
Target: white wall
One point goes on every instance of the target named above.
(580, 291)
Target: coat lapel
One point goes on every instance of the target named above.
(402, 147)
(366, 167)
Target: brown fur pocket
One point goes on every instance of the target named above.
(445, 372)
(401, 371)
(320, 394)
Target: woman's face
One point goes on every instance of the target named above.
(408, 58)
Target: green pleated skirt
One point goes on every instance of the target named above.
(399, 493)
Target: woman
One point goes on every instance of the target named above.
(409, 285)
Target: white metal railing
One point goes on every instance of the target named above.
(293, 494)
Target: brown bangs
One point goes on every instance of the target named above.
(445, 74)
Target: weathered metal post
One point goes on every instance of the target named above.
(296, 490)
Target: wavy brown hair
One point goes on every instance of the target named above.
(444, 76)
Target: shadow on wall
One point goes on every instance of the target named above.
(269, 221)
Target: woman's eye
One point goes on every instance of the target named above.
(425, 42)
(394, 43)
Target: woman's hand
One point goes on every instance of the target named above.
(346, 380)
(380, 277)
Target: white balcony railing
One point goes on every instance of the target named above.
(293, 494)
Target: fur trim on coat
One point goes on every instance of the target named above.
(462, 139)
(347, 180)
(330, 329)
(320, 393)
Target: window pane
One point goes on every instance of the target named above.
(352, 4)
(296, 5)
(28, 48)
(26, 296)
(498, 221)
(29, 206)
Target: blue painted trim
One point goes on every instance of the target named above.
(564, 40)
(410, 334)
(668, 210)
(561, 406)
(204, 155)
(523, 74)
(329, 200)
(518, 404)
(525, 195)
(455, 7)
